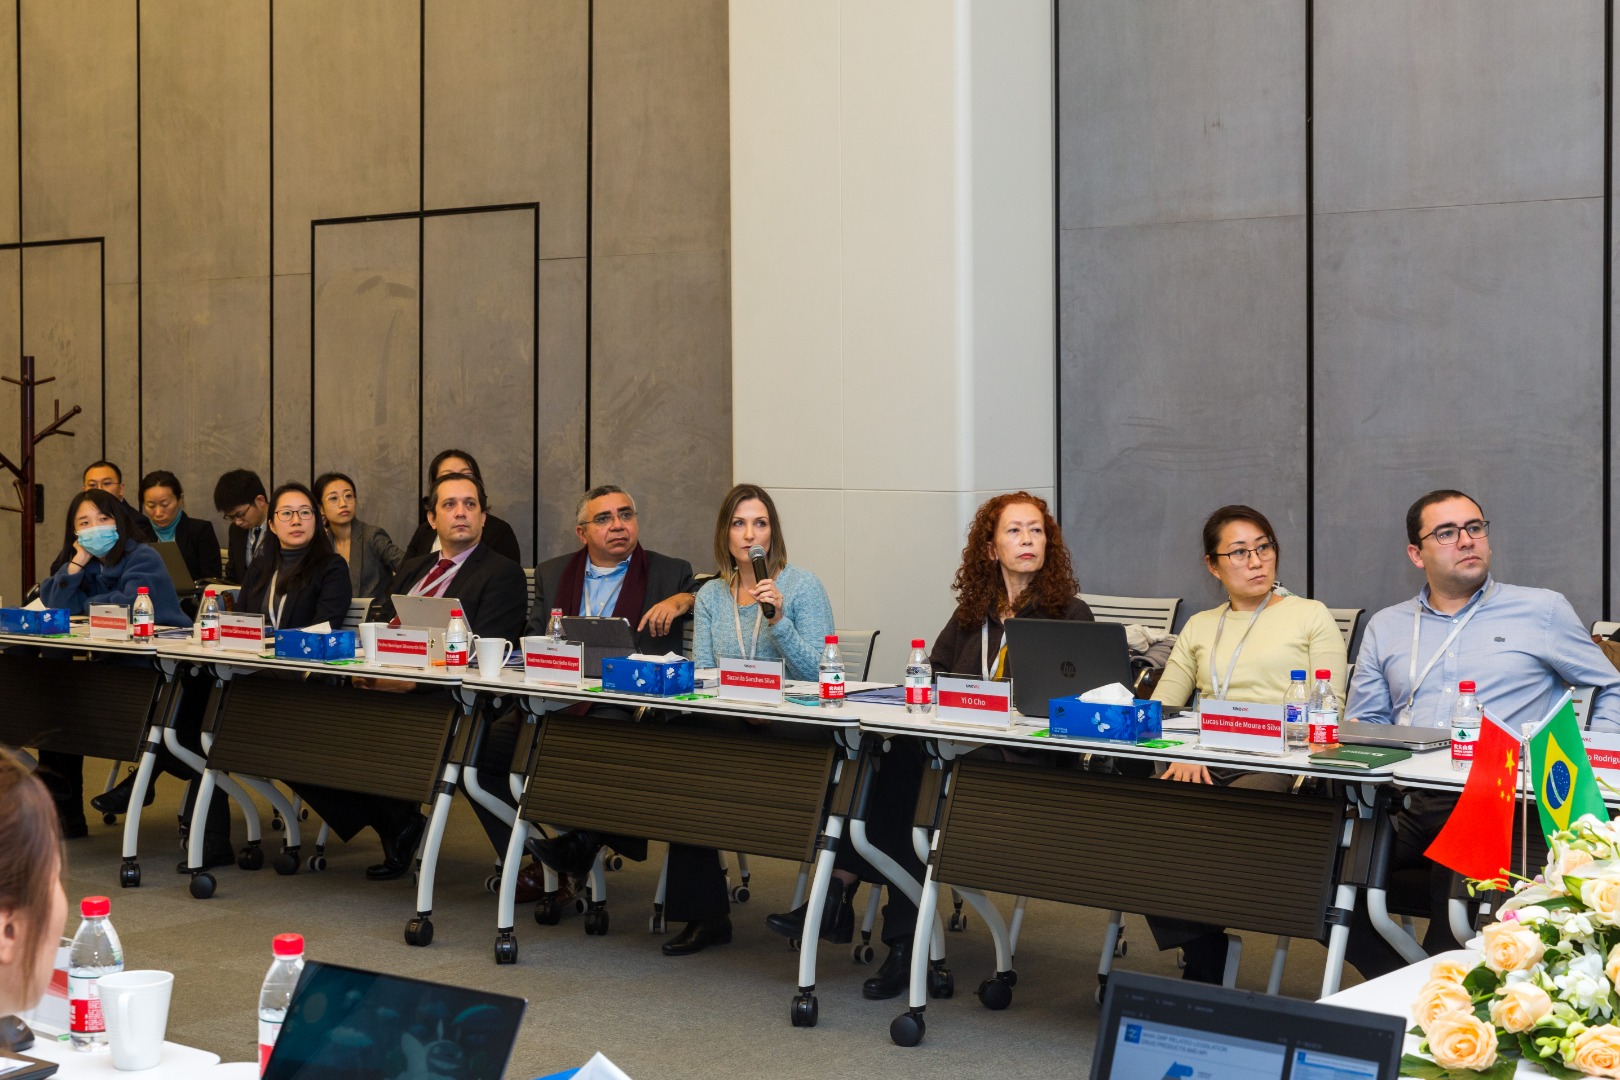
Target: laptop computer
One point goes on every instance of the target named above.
(1358, 733)
(344, 1022)
(431, 613)
(602, 635)
(1053, 658)
(1165, 1029)
(175, 564)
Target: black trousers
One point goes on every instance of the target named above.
(890, 814)
(1426, 886)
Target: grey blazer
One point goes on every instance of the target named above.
(373, 558)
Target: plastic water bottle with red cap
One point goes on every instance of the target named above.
(208, 621)
(277, 994)
(1465, 718)
(1322, 715)
(96, 951)
(831, 675)
(554, 630)
(455, 640)
(919, 679)
(141, 615)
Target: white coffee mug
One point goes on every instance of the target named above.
(368, 638)
(135, 1005)
(493, 652)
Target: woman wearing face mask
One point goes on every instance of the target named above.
(164, 503)
(297, 579)
(370, 552)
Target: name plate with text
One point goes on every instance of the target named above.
(985, 702)
(549, 661)
(1242, 725)
(109, 621)
(242, 633)
(751, 680)
(1602, 750)
(402, 647)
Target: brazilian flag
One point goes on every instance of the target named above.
(1565, 786)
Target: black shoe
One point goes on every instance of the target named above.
(1205, 959)
(75, 829)
(571, 853)
(837, 917)
(399, 848)
(115, 800)
(894, 977)
(215, 853)
(699, 935)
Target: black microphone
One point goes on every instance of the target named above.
(761, 572)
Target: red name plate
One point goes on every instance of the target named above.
(557, 662)
(751, 680)
(402, 648)
(986, 702)
(109, 622)
(1242, 725)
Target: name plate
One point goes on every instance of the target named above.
(109, 621)
(402, 647)
(242, 633)
(751, 680)
(1242, 725)
(546, 660)
(1602, 750)
(984, 702)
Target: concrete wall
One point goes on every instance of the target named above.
(200, 140)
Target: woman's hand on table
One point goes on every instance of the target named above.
(1187, 772)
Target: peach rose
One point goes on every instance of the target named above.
(1573, 860)
(1462, 1041)
(1439, 998)
(1511, 947)
(1597, 1051)
(1602, 895)
(1520, 1006)
(1449, 971)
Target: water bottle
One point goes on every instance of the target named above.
(455, 640)
(277, 993)
(832, 675)
(95, 952)
(142, 615)
(919, 680)
(1465, 717)
(555, 630)
(1296, 703)
(208, 621)
(1322, 715)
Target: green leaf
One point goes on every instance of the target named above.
(1555, 1068)
(1422, 1068)
(1562, 902)
(1415, 1030)
(1481, 982)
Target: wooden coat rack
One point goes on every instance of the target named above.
(23, 474)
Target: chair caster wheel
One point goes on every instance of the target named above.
(285, 862)
(907, 1029)
(793, 943)
(613, 862)
(317, 863)
(129, 876)
(251, 858)
(740, 894)
(506, 949)
(419, 931)
(596, 920)
(546, 910)
(995, 995)
(109, 819)
(303, 813)
(957, 922)
(581, 905)
(1120, 947)
(276, 824)
(657, 924)
(202, 885)
(805, 1011)
(863, 954)
(492, 883)
(941, 983)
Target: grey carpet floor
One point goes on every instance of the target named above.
(721, 1013)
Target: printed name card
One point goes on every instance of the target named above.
(402, 647)
(556, 662)
(751, 680)
(1602, 750)
(242, 633)
(109, 621)
(985, 702)
(1242, 725)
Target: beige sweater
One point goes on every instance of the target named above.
(1291, 633)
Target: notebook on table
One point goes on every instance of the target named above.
(1054, 658)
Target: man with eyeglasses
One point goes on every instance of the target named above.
(240, 498)
(1522, 646)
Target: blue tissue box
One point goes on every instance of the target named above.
(23, 621)
(628, 676)
(302, 645)
(338, 645)
(1071, 718)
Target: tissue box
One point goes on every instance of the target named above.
(629, 676)
(302, 645)
(338, 645)
(24, 621)
(1071, 718)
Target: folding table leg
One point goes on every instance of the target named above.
(804, 1010)
(419, 931)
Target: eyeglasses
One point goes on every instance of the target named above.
(1264, 552)
(1446, 535)
(302, 513)
(626, 514)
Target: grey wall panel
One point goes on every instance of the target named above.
(123, 330)
(78, 139)
(1460, 347)
(661, 392)
(8, 134)
(661, 113)
(506, 88)
(346, 105)
(561, 371)
(366, 392)
(1442, 102)
(1185, 110)
(10, 347)
(290, 451)
(1170, 334)
(205, 142)
(478, 370)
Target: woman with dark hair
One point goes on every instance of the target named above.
(498, 535)
(33, 907)
(370, 552)
(297, 579)
(163, 502)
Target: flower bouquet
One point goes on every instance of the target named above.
(1546, 989)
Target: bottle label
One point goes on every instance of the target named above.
(919, 690)
(455, 654)
(210, 632)
(1324, 727)
(1293, 713)
(1463, 743)
(832, 685)
(268, 1032)
(84, 1005)
(141, 625)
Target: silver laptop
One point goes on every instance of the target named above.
(1358, 733)
(175, 564)
(430, 613)
(601, 636)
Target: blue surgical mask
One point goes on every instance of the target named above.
(98, 539)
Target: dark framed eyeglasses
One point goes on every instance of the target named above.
(1265, 552)
(1446, 535)
(605, 518)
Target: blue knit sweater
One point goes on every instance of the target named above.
(798, 638)
(117, 584)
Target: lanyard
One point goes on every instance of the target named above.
(272, 607)
(984, 650)
(611, 599)
(1412, 674)
(749, 652)
(1221, 686)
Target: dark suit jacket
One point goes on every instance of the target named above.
(199, 547)
(236, 563)
(498, 536)
(490, 586)
(325, 598)
(666, 576)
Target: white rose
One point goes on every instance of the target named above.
(1511, 947)
(1597, 1051)
(1602, 896)
(1462, 1041)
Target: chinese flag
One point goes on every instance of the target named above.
(1477, 840)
